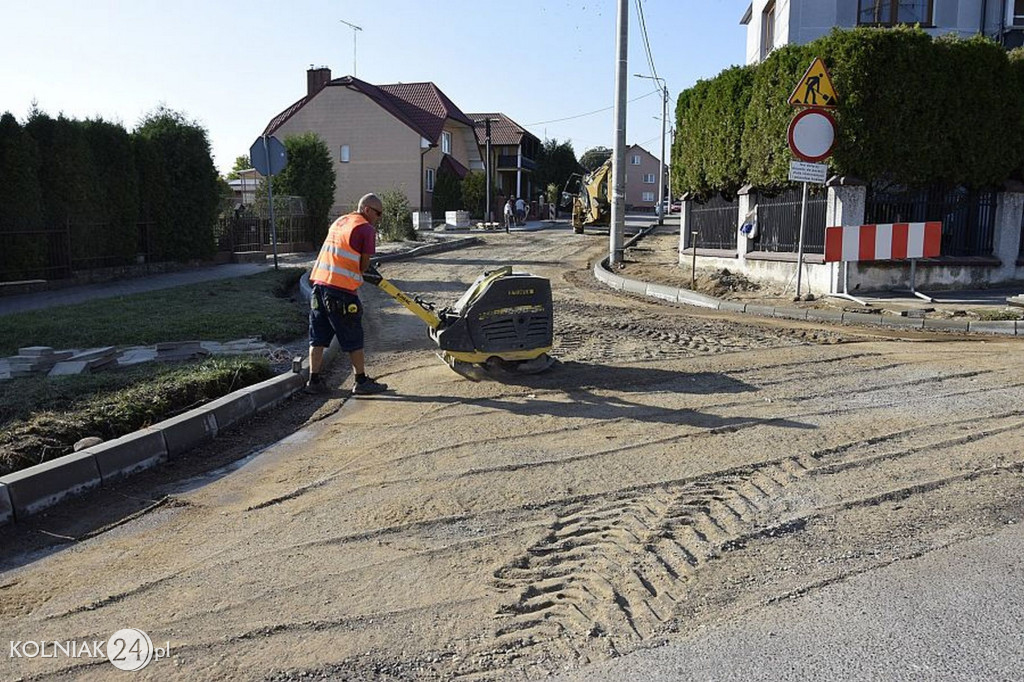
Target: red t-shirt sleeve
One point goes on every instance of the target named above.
(363, 239)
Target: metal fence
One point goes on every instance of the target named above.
(716, 222)
(968, 216)
(58, 252)
(1020, 248)
(253, 233)
(778, 222)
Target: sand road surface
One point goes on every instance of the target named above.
(676, 468)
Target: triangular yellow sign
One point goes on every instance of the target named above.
(815, 89)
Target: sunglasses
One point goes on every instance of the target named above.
(379, 213)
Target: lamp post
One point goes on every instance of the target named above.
(354, 30)
(661, 161)
(487, 167)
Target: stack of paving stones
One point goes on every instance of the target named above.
(178, 351)
(86, 361)
(34, 360)
(37, 360)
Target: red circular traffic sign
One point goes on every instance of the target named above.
(812, 134)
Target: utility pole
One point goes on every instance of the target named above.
(488, 214)
(354, 30)
(618, 217)
(661, 168)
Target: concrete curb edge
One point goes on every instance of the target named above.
(687, 297)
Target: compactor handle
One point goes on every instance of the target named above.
(372, 275)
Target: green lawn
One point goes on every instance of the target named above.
(42, 417)
(257, 305)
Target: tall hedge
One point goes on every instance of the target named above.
(180, 149)
(310, 174)
(912, 110)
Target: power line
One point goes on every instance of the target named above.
(647, 43)
(590, 113)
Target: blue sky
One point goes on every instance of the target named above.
(232, 66)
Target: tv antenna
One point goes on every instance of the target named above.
(355, 29)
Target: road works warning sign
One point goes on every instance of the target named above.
(815, 89)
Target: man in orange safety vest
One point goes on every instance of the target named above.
(335, 308)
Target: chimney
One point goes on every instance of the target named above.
(316, 79)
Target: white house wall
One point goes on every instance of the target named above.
(801, 21)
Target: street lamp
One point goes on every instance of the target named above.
(488, 217)
(661, 161)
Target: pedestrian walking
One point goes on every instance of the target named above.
(335, 308)
(509, 214)
(520, 211)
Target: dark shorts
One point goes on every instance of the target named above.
(335, 313)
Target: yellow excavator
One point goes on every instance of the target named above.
(590, 196)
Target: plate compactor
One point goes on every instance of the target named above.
(503, 322)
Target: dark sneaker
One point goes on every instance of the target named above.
(316, 387)
(369, 387)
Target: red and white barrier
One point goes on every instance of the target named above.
(893, 241)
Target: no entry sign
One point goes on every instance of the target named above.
(812, 134)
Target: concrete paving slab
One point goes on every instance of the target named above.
(125, 455)
(6, 507)
(188, 430)
(94, 353)
(69, 368)
(232, 409)
(44, 485)
(36, 350)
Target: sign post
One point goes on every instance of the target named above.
(268, 157)
(811, 137)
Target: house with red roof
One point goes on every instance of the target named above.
(382, 137)
(513, 155)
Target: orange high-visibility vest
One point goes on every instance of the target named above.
(338, 263)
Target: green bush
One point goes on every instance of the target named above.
(911, 110)
(447, 194)
(396, 223)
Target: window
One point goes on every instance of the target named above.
(344, 153)
(1018, 12)
(891, 12)
(635, 160)
(648, 196)
(446, 142)
(649, 178)
(768, 29)
(430, 179)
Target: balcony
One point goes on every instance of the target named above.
(508, 162)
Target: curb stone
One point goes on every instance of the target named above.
(993, 327)
(125, 455)
(44, 485)
(31, 490)
(6, 506)
(688, 297)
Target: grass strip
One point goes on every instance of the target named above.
(261, 305)
(42, 420)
